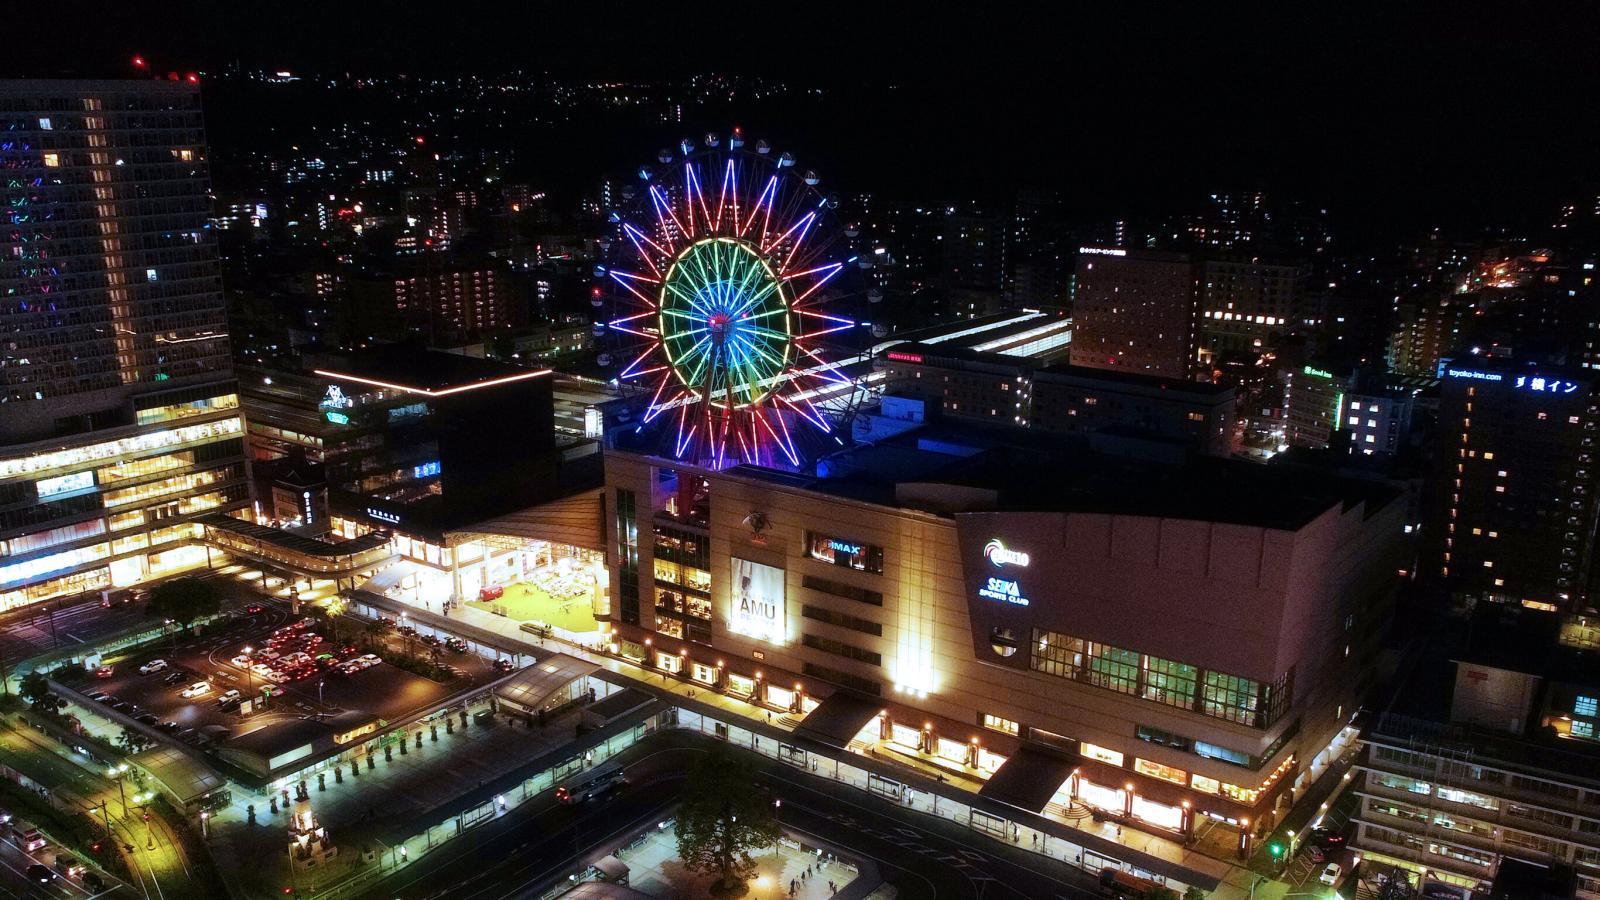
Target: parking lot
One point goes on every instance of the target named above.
(306, 674)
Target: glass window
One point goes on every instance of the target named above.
(1057, 654)
(1230, 697)
(996, 723)
(1097, 752)
(1585, 706)
(849, 554)
(1114, 668)
(1212, 751)
(1205, 785)
(1168, 682)
(1157, 770)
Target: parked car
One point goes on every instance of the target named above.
(147, 718)
(98, 696)
(152, 667)
(104, 672)
(1325, 837)
(197, 689)
(600, 787)
(230, 698)
(177, 677)
(456, 644)
(254, 609)
(505, 665)
(169, 727)
(1330, 874)
(493, 592)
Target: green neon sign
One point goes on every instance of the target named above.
(1319, 373)
(337, 418)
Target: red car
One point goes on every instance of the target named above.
(254, 609)
(491, 593)
(104, 672)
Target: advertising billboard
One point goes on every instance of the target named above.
(756, 602)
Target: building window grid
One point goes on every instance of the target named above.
(1221, 696)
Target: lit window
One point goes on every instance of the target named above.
(1355, 420)
(150, 275)
(1585, 706)
(52, 160)
(996, 723)
(1096, 752)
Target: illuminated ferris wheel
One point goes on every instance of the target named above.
(732, 300)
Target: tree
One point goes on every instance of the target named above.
(130, 740)
(723, 817)
(1161, 893)
(35, 689)
(184, 600)
(1194, 893)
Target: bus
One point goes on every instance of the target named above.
(1119, 885)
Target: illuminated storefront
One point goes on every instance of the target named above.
(135, 496)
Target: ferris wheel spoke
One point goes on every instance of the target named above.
(763, 201)
(729, 177)
(639, 239)
(817, 286)
(628, 372)
(664, 212)
(617, 277)
(814, 417)
(802, 226)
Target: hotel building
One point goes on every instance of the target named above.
(119, 419)
(1153, 642)
(1515, 510)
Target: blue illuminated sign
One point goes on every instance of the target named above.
(1547, 385)
(844, 547)
(1474, 375)
(425, 470)
(1004, 590)
(381, 516)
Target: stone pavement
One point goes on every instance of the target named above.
(654, 869)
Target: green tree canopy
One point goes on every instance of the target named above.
(723, 818)
(184, 599)
(35, 689)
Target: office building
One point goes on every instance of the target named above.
(981, 386)
(934, 596)
(1378, 418)
(1487, 761)
(119, 421)
(1134, 311)
(1514, 486)
(1245, 305)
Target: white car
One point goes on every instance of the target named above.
(196, 689)
(262, 670)
(1330, 874)
(152, 667)
(244, 661)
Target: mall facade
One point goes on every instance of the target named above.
(1156, 643)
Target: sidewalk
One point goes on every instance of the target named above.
(1236, 879)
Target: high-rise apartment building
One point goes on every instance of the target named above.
(1134, 311)
(457, 304)
(119, 418)
(1515, 484)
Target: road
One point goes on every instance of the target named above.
(72, 621)
(158, 864)
(924, 858)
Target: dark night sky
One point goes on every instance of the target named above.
(1396, 113)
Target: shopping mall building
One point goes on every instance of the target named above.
(1155, 642)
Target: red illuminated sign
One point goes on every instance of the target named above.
(897, 356)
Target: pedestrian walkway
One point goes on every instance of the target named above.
(1236, 879)
(655, 869)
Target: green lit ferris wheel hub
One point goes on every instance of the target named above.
(725, 322)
